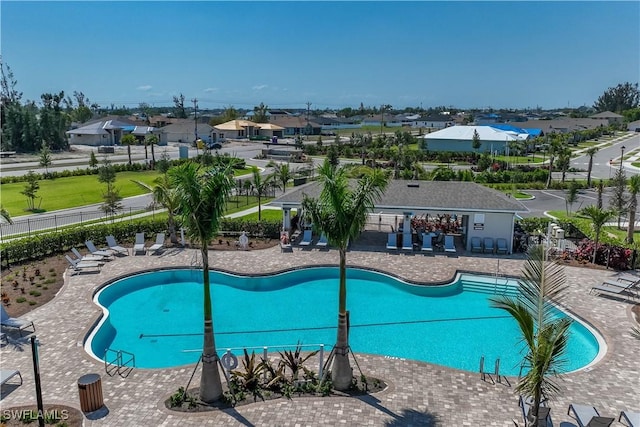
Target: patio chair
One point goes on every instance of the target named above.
(322, 242)
(79, 266)
(14, 323)
(631, 419)
(138, 246)
(392, 241)
(616, 288)
(427, 245)
(487, 243)
(307, 236)
(501, 246)
(95, 251)
(544, 412)
(7, 374)
(449, 245)
(476, 244)
(407, 242)
(88, 258)
(285, 242)
(588, 416)
(113, 245)
(158, 245)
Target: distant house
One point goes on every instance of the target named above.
(296, 125)
(563, 125)
(241, 129)
(609, 117)
(107, 132)
(435, 121)
(634, 126)
(332, 123)
(460, 139)
(185, 131)
(376, 120)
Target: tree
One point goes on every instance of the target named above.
(564, 161)
(31, 188)
(341, 214)
(178, 107)
(260, 185)
(590, 152)
(128, 140)
(111, 197)
(554, 148)
(45, 157)
(53, 121)
(572, 196)
(151, 140)
(599, 191)
(164, 163)
(282, 174)
(202, 196)
(544, 334)
(475, 141)
(624, 96)
(93, 161)
(634, 189)
(598, 218)
(5, 216)
(618, 200)
(166, 196)
(260, 113)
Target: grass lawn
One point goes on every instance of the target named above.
(267, 215)
(63, 193)
(612, 231)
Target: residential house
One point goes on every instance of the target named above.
(296, 125)
(460, 139)
(243, 129)
(634, 126)
(186, 131)
(107, 132)
(609, 117)
(434, 121)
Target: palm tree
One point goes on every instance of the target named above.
(202, 196)
(5, 216)
(260, 185)
(634, 189)
(166, 196)
(282, 174)
(341, 214)
(151, 140)
(590, 152)
(128, 140)
(544, 335)
(598, 217)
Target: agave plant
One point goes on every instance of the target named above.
(250, 376)
(544, 334)
(294, 361)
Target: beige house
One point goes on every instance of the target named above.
(245, 129)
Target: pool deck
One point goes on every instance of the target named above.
(419, 394)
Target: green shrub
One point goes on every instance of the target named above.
(20, 299)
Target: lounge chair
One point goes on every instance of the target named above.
(78, 266)
(7, 374)
(392, 241)
(544, 412)
(322, 242)
(14, 323)
(113, 245)
(95, 251)
(407, 242)
(427, 245)
(616, 287)
(449, 245)
(588, 416)
(631, 419)
(476, 244)
(488, 245)
(307, 236)
(138, 246)
(501, 246)
(158, 245)
(88, 258)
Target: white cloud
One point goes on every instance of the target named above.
(144, 87)
(259, 87)
(211, 89)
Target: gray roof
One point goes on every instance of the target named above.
(425, 196)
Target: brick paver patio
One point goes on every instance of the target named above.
(419, 394)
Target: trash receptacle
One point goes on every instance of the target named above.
(184, 152)
(90, 391)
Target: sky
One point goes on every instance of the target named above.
(330, 54)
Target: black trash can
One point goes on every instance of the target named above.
(90, 391)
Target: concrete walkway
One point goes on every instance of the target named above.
(419, 394)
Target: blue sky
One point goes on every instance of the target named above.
(332, 54)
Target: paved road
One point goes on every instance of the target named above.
(608, 157)
(554, 200)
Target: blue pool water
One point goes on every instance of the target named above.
(158, 317)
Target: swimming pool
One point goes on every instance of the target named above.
(158, 317)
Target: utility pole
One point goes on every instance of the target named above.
(381, 118)
(307, 128)
(195, 115)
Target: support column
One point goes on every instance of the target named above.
(286, 218)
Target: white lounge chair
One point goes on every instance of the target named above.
(322, 242)
(392, 241)
(7, 374)
(306, 238)
(14, 323)
(95, 251)
(449, 245)
(158, 245)
(588, 416)
(113, 245)
(407, 242)
(629, 418)
(87, 258)
(427, 245)
(476, 244)
(78, 266)
(139, 244)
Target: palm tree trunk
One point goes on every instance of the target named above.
(595, 247)
(589, 168)
(632, 220)
(153, 156)
(129, 153)
(210, 384)
(550, 173)
(172, 229)
(341, 372)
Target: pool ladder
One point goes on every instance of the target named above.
(496, 372)
(121, 362)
